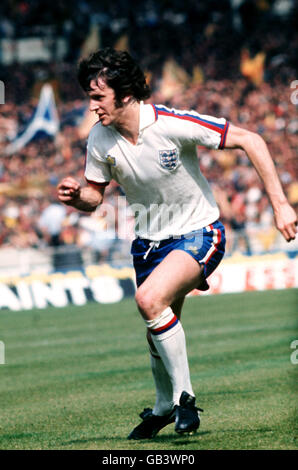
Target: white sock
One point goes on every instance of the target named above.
(164, 390)
(168, 337)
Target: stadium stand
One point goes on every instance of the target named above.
(223, 58)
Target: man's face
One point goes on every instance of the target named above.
(102, 102)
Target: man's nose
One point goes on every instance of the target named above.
(93, 105)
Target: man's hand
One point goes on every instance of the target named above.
(286, 221)
(68, 190)
(85, 198)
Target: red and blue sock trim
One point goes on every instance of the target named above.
(168, 326)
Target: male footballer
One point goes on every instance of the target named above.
(150, 150)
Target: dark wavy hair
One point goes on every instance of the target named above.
(118, 69)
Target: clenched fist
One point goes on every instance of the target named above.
(68, 190)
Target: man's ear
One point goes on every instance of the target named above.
(126, 99)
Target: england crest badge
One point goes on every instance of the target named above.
(168, 159)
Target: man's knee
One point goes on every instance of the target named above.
(149, 303)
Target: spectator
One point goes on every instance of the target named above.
(164, 31)
(51, 223)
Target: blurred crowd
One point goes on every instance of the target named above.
(195, 58)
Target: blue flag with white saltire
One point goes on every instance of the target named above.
(45, 121)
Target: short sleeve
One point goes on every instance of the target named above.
(200, 129)
(209, 131)
(96, 169)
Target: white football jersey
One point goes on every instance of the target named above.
(160, 175)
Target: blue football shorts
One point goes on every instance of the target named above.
(206, 246)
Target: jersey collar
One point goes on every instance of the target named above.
(148, 115)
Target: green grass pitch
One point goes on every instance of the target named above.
(77, 377)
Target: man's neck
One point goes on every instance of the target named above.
(129, 122)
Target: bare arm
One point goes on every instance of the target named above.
(258, 153)
(85, 198)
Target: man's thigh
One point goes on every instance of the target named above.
(176, 275)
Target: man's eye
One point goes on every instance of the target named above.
(96, 98)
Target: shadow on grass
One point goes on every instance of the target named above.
(179, 440)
